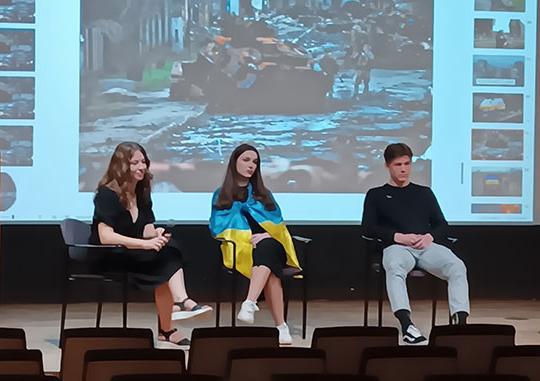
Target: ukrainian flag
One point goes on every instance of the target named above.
(230, 224)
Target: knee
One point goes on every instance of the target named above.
(393, 261)
(457, 268)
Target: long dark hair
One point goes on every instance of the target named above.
(118, 176)
(231, 191)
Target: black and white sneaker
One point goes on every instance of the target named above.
(413, 335)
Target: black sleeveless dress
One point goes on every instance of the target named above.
(268, 252)
(147, 268)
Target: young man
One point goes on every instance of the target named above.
(411, 225)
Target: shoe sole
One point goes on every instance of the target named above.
(181, 315)
(248, 321)
(406, 342)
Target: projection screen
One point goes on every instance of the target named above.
(320, 87)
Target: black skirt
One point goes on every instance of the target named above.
(270, 253)
(146, 268)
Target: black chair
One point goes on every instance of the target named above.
(166, 377)
(81, 257)
(474, 343)
(374, 265)
(523, 360)
(344, 346)
(408, 363)
(12, 338)
(28, 377)
(21, 362)
(321, 377)
(104, 364)
(76, 342)
(476, 377)
(261, 363)
(302, 250)
(210, 347)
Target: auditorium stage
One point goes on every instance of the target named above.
(41, 321)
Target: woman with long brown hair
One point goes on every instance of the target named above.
(123, 216)
(244, 211)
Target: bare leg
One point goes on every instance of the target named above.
(259, 277)
(164, 304)
(273, 293)
(177, 288)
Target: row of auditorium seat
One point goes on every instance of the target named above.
(253, 353)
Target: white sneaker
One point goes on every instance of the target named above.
(413, 335)
(284, 334)
(247, 311)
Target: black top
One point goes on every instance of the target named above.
(109, 210)
(253, 225)
(411, 209)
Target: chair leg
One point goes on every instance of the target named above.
(285, 287)
(218, 298)
(65, 283)
(124, 299)
(233, 299)
(434, 312)
(366, 292)
(304, 307)
(381, 292)
(435, 296)
(218, 313)
(99, 304)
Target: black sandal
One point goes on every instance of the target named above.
(167, 335)
(186, 313)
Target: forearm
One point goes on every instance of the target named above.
(380, 232)
(113, 238)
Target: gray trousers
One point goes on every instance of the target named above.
(399, 260)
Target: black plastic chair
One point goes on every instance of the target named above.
(477, 377)
(374, 265)
(523, 360)
(102, 365)
(474, 343)
(81, 256)
(321, 377)
(210, 347)
(344, 346)
(408, 363)
(166, 377)
(261, 363)
(12, 338)
(76, 342)
(21, 362)
(302, 249)
(28, 377)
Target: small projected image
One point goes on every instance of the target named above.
(17, 98)
(17, 50)
(8, 192)
(498, 70)
(497, 108)
(496, 208)
(499, 33)
(18, 11)
(497, 181)
(16, 146)
(500, 5)
(497, 145)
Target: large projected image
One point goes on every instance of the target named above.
(321, 88)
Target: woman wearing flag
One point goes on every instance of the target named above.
(244, 211)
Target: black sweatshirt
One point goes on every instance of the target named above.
(411, 209)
